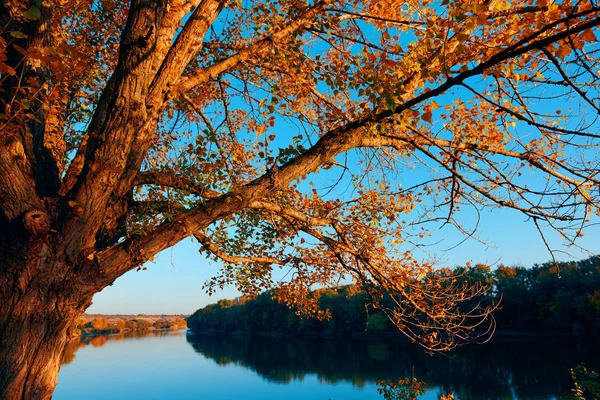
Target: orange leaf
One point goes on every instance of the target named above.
(427, 114)
(588, 36)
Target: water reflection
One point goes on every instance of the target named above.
(100, 340)
(477, 372)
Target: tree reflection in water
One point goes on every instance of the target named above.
(100, 340)
(475, 372)
(492, 371)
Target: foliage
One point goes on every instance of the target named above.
(131, 325)
(173, 323)
(403, 389)
(587, 384)
(161, 324)
(406, 389)
(538, 300)
(100, 324)
(346, 308)
(142, 323)
(118, 325)
(550, 297)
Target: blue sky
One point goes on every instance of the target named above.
(172, 284)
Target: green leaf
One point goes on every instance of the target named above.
(33, 13)
(390, 103)
(18, 34)
(461, 37)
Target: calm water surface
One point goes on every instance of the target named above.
(175, 365)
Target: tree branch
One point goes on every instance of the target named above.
(167, 179)
(117, 260)
(289, 212)
(213, 248)
(201, 76)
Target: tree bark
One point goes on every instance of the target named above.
(39, 307)
(32, 349)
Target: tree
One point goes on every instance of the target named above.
(131, 325)
(129, 127)
(100, 324)
(161, 324)
(118, 325)
(177, 323)
(143, 324)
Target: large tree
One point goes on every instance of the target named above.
(129, 127)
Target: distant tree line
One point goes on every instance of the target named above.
(118, 325)
(562, 298)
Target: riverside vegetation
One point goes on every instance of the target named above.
(553, 300)
(88, 325)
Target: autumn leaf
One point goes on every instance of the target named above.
(18, 34)
(33, 13)
(588, 36)
(426, 116)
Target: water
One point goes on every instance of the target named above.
(173, 365)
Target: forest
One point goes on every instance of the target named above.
(554, 300)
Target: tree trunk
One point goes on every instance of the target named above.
(31, 353)
(39, 308)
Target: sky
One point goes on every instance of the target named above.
(172, 283)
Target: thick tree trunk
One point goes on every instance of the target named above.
(39, 308)
(31, 350)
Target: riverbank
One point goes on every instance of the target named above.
(111, 324)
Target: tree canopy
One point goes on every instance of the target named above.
(128, 127)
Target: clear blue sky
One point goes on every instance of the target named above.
(172, 284)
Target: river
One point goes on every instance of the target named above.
(176, 365)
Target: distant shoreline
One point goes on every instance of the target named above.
(102, 324)
(111, 333)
